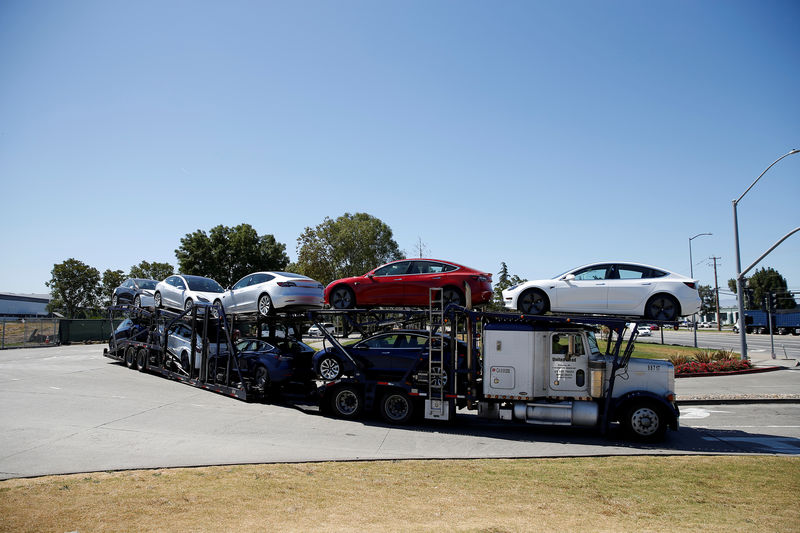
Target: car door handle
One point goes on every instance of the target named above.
(397, 279)
(438, 277)
(646, 283)
(599, 284)
(386, 353)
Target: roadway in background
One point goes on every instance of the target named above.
(757, 343)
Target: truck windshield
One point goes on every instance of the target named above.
(593, 344)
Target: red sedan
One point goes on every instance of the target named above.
(407, 283)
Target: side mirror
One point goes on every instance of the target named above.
(569, 277)
(370, 275)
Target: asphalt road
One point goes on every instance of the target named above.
(785, 345)
(69, 409)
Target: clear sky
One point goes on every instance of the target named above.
(540, 133)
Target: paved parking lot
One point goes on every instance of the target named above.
(69, 409)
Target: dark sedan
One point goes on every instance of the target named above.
(270, 363)
(136, 291)
(389, 356)
(127, 329)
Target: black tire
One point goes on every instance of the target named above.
(397, 407)
(261, 380)
(533, 302)
(451, 295)
(188, 304)
(346, 402)
(114, 300)
(329, 368)
(645, 421)
(141, 359)
(185, 362)
(265, 307)
(130, 357)
(342, 297)
(137, 301)
(157, 303)
(662, 307)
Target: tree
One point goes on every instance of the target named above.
(766, 281)
(155, 270)
(708, 300)
(73, 285)
(504, 281)
(348, 246)
(227, 254)
(420, 248)
(111, 280)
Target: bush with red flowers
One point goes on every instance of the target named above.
(713, 367)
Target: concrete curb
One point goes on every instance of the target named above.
(733, 400)
(756, 370)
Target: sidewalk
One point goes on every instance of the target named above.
(778, 381)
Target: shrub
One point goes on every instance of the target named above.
(678, 359)
(724, 355)
(727, 365)
(704, 356)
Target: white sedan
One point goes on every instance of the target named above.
(629, 289)
(182, 291)
(265, 292)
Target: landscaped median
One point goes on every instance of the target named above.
(711, 362)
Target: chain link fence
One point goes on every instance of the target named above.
(28, 332)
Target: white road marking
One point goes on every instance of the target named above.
(693, 413)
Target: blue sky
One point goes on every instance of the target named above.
(543, 134)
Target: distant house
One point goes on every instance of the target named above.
(24, 305)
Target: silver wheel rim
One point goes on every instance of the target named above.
(644, 421)
(187, 304)
(329, 368)
(137, 301)
(438, 379)
(346, 402)
(264, 305)
(261, 377)
(113, 300)
(157, 300)
(396, 407)
(341, 299)
(215, 309)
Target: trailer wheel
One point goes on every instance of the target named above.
(346, 402)
(141, 359)
(396, 407)
(329, 368)
(130, 357)
(342, 297)
(157, 300)
(533, 302)
(265, 307)
(645, 421)
(662, 307)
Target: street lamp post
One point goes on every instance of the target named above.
(691, 274)
(739, 284)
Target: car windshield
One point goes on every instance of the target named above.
(291, 275)
(147, 284)
(197, 283)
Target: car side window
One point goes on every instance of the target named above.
(244, 282)
(128, 284)
(416, 341)
(568, 344)
(632, 272)
(385, 341)
(393, 269)
(261, 278)
(591, 273)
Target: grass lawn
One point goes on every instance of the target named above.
(687, 493)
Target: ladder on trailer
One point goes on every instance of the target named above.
(436, 405)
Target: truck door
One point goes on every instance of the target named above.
(569, 362)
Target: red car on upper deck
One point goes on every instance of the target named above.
(407, 283)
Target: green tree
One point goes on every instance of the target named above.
(226, 254)
(504, 281)
(348, 246)
(73, 285)
(766, 281)
(111, 280)
(708, 300)
(157, 271)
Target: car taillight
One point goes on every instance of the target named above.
(690, 284)
(287, 284)
(483, 278)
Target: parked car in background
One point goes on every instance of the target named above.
(136, 291)
(407, 283)
(267, 292)
(630, 289)
(388, 355)
(644, 331)
(181, 291)
(316, 331)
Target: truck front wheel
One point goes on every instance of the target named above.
(645, 421)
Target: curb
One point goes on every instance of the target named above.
(732, 372)
(723, 401)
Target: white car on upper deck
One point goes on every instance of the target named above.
(613, 288)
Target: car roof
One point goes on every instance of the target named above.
(633, 263)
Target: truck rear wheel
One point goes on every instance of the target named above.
(130, 357)
(346, 402)
(141, 359)
(645, 421)
(396, 407)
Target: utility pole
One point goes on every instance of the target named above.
(716, 290)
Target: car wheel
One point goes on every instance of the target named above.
(157, 300)
(342, 297)
(346, 402)
(329, 368)
(130, 357)
(451, 295)
(114, 300)
(533, 302)
(188, 304)
(438, 377)
(216, 309)
(185, 362)
(662, 307)
(645, 421)
(141, 359)
(265, 305)
(396, 407)
(137, 301)
(261, 379)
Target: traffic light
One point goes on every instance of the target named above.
(773, 301)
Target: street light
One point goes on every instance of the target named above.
(739, 288)
(691, 275)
